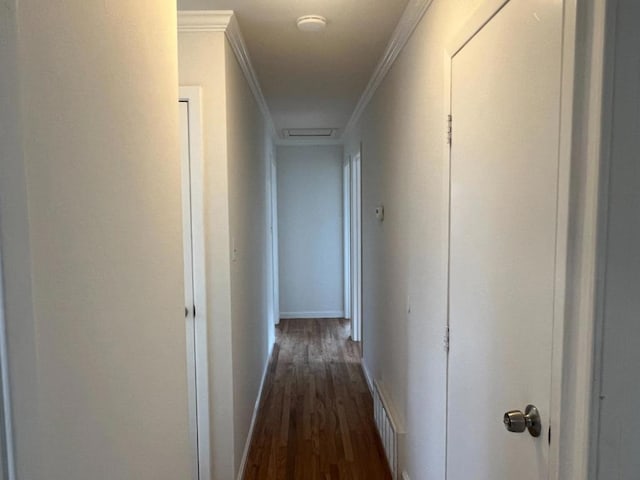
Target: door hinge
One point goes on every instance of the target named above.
(194, 310)
(447, 339)
(449, 129)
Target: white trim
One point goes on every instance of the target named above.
(346, 234)
(576, 281)
(583, 201)
(605, 19)
(320, 314)
(204, 20)
(356, 246)
(478, 20)
(234, 35)
(557, 424)
(7, 456)
(408, 22)
(446, 239)
(193, 96)
(254, 417)
(367, 376)
(190, 21)
(275, 262)
(585, 300)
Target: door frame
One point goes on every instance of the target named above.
(346, 233)
(581, 226)
(273, 172)
(355, 201)
(7, 459)
(193, 97)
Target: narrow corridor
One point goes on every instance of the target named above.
(316, 417)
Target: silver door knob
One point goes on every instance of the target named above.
(518, 422)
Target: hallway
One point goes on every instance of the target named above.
(316, 417)
(196, 195)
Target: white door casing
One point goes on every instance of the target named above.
(356, 248)
(505, 107)
(194, 274)
(7, 464)
(274, 238)
(346, 211)
(188, 287)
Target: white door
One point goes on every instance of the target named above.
(195, 278)
(505, 107)
(189, 299)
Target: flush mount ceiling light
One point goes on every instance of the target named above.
(311, 23)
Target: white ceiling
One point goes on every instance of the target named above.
(311, 79)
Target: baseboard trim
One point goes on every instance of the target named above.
(254, 417)
(324, 314)
(367, 376)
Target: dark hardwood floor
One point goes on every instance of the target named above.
(316, 416)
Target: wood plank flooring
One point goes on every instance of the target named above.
(316, 417)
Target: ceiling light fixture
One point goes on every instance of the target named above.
(311, 23)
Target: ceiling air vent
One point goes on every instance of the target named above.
(309, 132)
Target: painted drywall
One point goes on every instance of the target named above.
(310, 222)
(619, 437)
(91, 205)
(237, 243)
(248, 148)
(201, 60)
(404, 258)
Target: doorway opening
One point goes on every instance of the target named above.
(319, 221)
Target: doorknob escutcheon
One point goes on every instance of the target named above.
(517, 422)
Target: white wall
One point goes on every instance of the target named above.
(238, 252)
(91, 239)
(619, 428)
(249, 216)
(310, 223)
(404, 258)
(201, 59)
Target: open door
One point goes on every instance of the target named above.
(505, 123)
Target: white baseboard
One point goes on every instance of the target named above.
(324, 314)
(367, 376)
(254, 417)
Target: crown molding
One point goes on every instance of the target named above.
(190, 21)
(234, 35)
(204, 20)
(408, 22)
